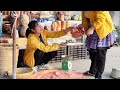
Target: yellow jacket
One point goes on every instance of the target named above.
(102, 22)
(34, 43)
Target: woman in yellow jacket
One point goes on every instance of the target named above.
(38, 51)
(99, 28)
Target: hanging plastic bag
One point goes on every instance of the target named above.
(1, 22)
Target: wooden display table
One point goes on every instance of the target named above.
(19, 41)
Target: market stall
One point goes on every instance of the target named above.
(14, 28)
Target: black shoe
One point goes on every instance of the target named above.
(88, 73)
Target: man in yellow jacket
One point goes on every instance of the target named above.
(98, 27)
(38, 51)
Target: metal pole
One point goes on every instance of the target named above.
(14, 50)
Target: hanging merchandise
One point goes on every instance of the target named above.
(1, 22)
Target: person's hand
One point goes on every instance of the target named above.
(90, 31)
(63, 44)
(80, 27)
(69, 29)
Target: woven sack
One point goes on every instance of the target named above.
(6, 58)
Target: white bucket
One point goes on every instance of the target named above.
(115, 73)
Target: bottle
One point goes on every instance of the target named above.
(58, 25)
(68, 24)
(63, 25)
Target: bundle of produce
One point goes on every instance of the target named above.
(77, 32)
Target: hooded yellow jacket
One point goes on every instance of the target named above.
(34, 43)
(101, 20)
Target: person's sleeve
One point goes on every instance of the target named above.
(38, 45)
(84, 22)
(100, 18)
(54, 34)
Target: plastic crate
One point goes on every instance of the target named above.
(77, 52)
(60, 52)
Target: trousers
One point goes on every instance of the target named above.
(42, 57)
(98, 58)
